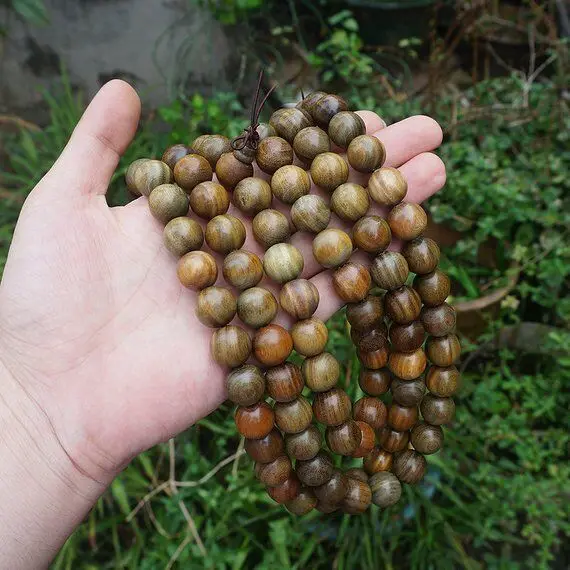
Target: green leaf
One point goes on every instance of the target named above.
(33, 11)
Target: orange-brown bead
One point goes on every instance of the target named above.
(272, 345)
(343, 439)
(407, 221)
(407, 365)
(284, 382)
(402, 418)
(367, 440)
(309, 336)
(402, 305)
(209, 199)
(371, 411)
(255, 422)
(230, 170)
(371, 234)
(333, 407)
(191, 170)
(377, 460)
(351, 282)
(197, 270)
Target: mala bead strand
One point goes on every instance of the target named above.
(344, 127)
(168, 201)
(211, 147)
(273, 153)
(256, 307)
(366, 153)
(144, 175)
(191, 170)
(310, 213)
(329, 170)
(289, 183)
(252, 195)
(350, 201)
(270, 227)
(209, 199)
(183, 235)
(242, 269)
(310, 142)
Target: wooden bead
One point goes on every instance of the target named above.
(371, 234)
(230, 170)
(225, 233)
(422, 255)
(252, 195)
(408, 393)
(356, 473)
(309, 336)
(329, 170)
(332, 247)
(231, 346)
(366, 153)
(216, 306)
(373, 340)
(245, 154)
(310, 142)
(310, 213)
(316, 471)
(255, 422)
(325, 508)
(272, 345)
(438, 321)
(442, 382)
(402, 418)
(144, 175)
(299, 298)
(427, 439)
(402, 305)
(367, 439)
(190, 170)
(344, 127)
(374, 382)
(351, 282)
(321, 372)
(433, 288)
(274, 473)
(350, 201)
(374, 359)
(387, 186)
(183, 235)
(377, 460)
(174, 153)
(256, 307)
(392, 440)
(407, 221)
(284, 382)
(265, 130)
(283, 262)
(325, 108)
(289, 121)
(285, 492)
(309, 100)
(371, 411)
(242, 269)
(273, 153)
(407, 365)
(334, 490)
(305, 444)
(437, 411)
(209, 199)
(343, 439)
(211, 147)
(409, 466)
(358, 497)
(408, 337)
(333, 407)
(294, 416)
(289, 183)
(270, 227)
(266, 449)
(443, 350)
(389, 270)
(246, 386)
(366, 314)
(197, 270)
(386, 489)
(303, 503)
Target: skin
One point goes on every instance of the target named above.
(92, 316)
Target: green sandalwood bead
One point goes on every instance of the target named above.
(182, 235)
(274, 473)
(255, 422)
(273, 153)
(303, 503)
(366, 153)
(310, 142)
(358, 497)
(289, 183)
(211, 147)
(333, 407)
(374, 359)
(402, 305)
(367, 440)
(402, 418)
(389, 270)
(283, 262)
(242, 269)
(366, 314)
(245, 154)
(407, 365)
(408, 392)
(386, 489)
(225, 233)
(230, 171)
(350, 201)
(309, 100)
(392, 440)
(144, 175)
(427, 439)
(407, 337)
(409, 466)
(216, 306)
(356, 473)
(374, 382)
(433, 288)
(316, 471)
(329, 170)
(438, 321)
(197, 270)
(256, 307)
(325, 508)
(442, 382)
(270, 227)
(299, 298)
(246, 386)
(351, 282)
(325, 108)
(209, 199)
(370, 341)
(272, 345)
(422, 255)
(310, 213)
(344, 127)
(295, 416)
(305, 444)
(321, 372)
(332, 247)
(287, 491)
(309, 336)
(407, 221)
(231, 346)
(190, 170)
(437, 411)
(443, 350)
(345, 438)
(378, 460)
(371, 234)
(371, 411)
(265, 130)
(284, 382)
(174, 153)
(334, 490)
(265, 449)
(289, 121)
(252, 195)
(387, 186)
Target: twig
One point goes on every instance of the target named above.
(12, 119)
(150, 512)
(163, 486)
(178, 552)
(210, 474)
(238, 454)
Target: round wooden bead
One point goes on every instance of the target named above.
(386, 489)
(286, 492)
(246, 386)
(211, 147)
(316, 471)
(350, 201)
(422, 255)
(437, 411)
(374, 359)
(392, 440)
(409, 466)
(174, 153)
(344, 127)
(245, 154)
(374, 382)
(272, 345)
(310, 213)
(190, 170)
(225, 233)
(371, 234)
(197, 270)
(309, 336)
(265, 130)
(371, 411)
(325, 108)
(325, 508)
(433, 288)
(332, 247)
(407, 220)
(256, 307)
(270, 227)
(231, 346)
(299, 298)
(387, 186)
(356, 473)
(294, 416)
(289, 183)
(144, 175)
(373, 340)
(274, 473)
(408, 393)
(366, 314)
(255, 422)
(333, 407)
(216, 306)
(230, 170)
(303, 503)
(442, 382)
(343, 439)
(310, 142)
(309, 100)
(242, 269)
(427, 439)
(389, 270)
(407, 365)
(334, 490)
(273, 153)
(289, 121)
(182, 235)
(377, 460)
(284, 382)
(209, 199)
(358, 497)
(305, 444)
(443, 350)
(366, 153)
(402, 418)
(329, 170)
(367, 439)
(402, 305)
(252, 195)
(438, 321)
(408, 337)
(351, 282)
(283, 262)
(266, 449)
(321, 372)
